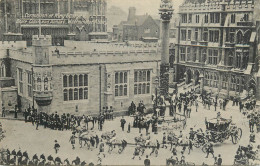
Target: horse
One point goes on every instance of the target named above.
(142, 140)
(154, 146)
(131, 110)
(86, 137)
(120, 143)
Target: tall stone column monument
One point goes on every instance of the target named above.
(166, 11)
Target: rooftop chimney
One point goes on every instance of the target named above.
(131, 14)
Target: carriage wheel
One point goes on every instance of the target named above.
(204, 149)
(196, 144)
(239, 133)
(156, 153)
(120, 150)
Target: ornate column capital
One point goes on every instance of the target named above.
(166, 10)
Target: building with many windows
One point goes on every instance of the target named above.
(216, 46)
(80, 77)
(82, 20)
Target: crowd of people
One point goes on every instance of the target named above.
(246, 153)
(22, 158)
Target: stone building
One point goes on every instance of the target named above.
(63, 19)
(216, 47)
(80, 77)
(137, 27)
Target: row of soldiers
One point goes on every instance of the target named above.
(60, 122)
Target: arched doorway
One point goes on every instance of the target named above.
(196, 77)
(240, 37)
(188, 77)
(251, 88)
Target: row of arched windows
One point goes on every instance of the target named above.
(121, 83)
(75, 87)
(211, 79)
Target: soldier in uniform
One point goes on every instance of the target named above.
(72, 140)
(56, 146)
(101, 148)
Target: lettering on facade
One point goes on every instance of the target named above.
(54, 19)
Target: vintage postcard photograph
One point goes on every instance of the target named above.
(129, 82)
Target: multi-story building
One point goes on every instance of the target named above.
(216, 46)
(62, 19)
(137, 27)
(80, 77)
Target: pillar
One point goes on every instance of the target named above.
(165, 11)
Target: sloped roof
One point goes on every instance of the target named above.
(138, 20)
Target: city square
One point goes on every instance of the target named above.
(42, 141)
(83, 82)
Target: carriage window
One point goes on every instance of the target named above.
(142, 85)
(80, 84)
(121, 83)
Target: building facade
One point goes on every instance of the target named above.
(63, 19)
(80, 77)
(216, 47)
(137, 27)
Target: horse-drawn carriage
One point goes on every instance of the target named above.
(220, 129)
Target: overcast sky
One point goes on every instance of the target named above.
(142, 6)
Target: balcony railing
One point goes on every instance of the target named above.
(203, 43)
(245, 23)
(43, 98)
